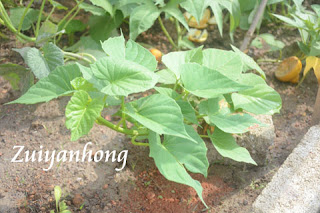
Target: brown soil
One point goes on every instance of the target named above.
(139, 187)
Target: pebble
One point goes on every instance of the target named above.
(77, 200)
(104, 187)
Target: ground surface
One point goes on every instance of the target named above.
(97, 187)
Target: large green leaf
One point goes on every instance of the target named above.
(227, 147)
(97, 11)
(159, 113)
(169, 165)
(249, 62)
(136, 53)
(105, 4)
(207, 83)
(114, 47)
(219, 114)
(259, 99)
(42, 65)
(53, 86)
(18, 76)
(193, 156)
(174, 60)
(166, 76)
(227, 63)
(113, 76)
(81, 113)
(30, 17)
(101, 27)
(195, 8)
(142, 18)
(172, 8)
(217, 11)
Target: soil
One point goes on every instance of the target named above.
(97, 187)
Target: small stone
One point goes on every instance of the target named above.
(105, 186)
(77, 200)
(150, 195)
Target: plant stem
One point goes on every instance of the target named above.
(124, 125)
(51, 12)
(88, 55)
(166, 33)
(106, 123)
(137, 143)
(204, 136)
(24, 14)
(39, 18)
(178, 28)
(269, 60)
(77, 56)
(69, 13)
(8, 23)
(66, 24)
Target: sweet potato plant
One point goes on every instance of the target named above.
(199, 85)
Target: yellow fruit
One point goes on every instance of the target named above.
(198, 35)
(192, 22)
(157, 53)
(289, 70)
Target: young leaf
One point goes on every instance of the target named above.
(81, 113)
(169, 166)
(192, 156)
(313, 62)
(220, 115)
(142, 18)
(80, 83)
(57, 194)
(159, 113)
(113, 76)
(227, 63)
(47, 30)
(227, 147)
(53, 86)
(249, 62)
(207, 83)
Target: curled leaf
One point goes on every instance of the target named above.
(312, 62)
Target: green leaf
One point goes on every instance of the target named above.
(174, 60)
(169, 92)
(115, 47)
(113, 76)
(74, 26)
(101, 31)
(57, 194)
(13, 79)
(172, 8)
(217, 11)
(227, 63)
(159, 113)
(207, 83)
(193, 156)
(169, 166)
(195, 8)
(166, 76)
(273, 44)
(136, 53)
(142, 18)
(23, 52)
(220, 114)
(105, 4)
(53, 86)
(188, 111)
(97, 11)
(260, 99)
(17, 13)
(42, 65)
(80, 83)
(47, 30)
(81, 113)
(249, 62)
(227, 147)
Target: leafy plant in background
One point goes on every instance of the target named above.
(198, 85)
(61, 206)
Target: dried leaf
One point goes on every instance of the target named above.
(312, 62)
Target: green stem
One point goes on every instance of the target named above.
(69, 20)
(137, 143)
(51, 12)
(269, 60)
(39, 18)
(123, 114)
(77, 56)
(69, 13)
(106, 123)
(24, 14)
(204, 136)
(8, 23)
(178, 28)
(88, 55)
(166, 33)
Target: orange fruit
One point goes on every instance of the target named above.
(157, 53)
(289, 70)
